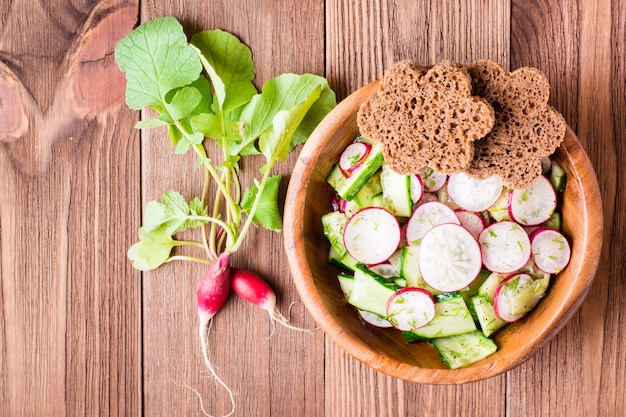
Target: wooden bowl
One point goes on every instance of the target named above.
(309, 197)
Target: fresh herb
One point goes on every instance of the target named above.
(203, 91)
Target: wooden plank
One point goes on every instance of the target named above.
(281, 374)
(583, 75)
(364, 38)
(70, 339)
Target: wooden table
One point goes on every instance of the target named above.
(83, 333)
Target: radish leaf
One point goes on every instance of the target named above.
(141, 53)
(266, 213)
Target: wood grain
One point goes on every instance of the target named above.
(81, 333)
(70, 324)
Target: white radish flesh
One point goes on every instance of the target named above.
(449, 258)
(425, 217)
(473, 222)
(417, 188)
(472, 194)
(505, 247)
(550, 249)
(515, 296)
(374, 319)
(353, 156)
(372, 235)
(410, 308)
(533, 205)
(432, 179)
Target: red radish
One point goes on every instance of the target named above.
(431, 179)
(550, 249)
(352, 157)
(372, 235)
(417, 188)
(472, 221)
(374, 319)
(505, 247)
(252, 288)
(533, 205)
(425, 217)
(212, 293)
(410, 308)
(472, 194)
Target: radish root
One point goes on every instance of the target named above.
(205, 331)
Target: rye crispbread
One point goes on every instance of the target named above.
(526, 127)
(426, 116)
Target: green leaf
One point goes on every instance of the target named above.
(150, 123)
(182, 146)
(284, 92)
(276, 143)
(153, 250)
(213, 126)
(267, 213)
(228, 62)
(173, 213)
(184, 102)
(156, 59)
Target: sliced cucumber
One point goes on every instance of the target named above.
(396, 192)
(333, 224)
(464, 349)
(346, 282)
(410, 271)
(452, 317)
(488, 321)
(371, 292)
(557, 177)
(348, 187)
(346, 261)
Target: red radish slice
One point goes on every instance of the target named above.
(385, 270)
(352, 157)
(472, 194)
(449, 257)
(426, 197)
(374, 319)
(432, 179)
(425, 217)
(417, 188)
(533, 205)
(473, 222)
(505, 247)
(371, 235)
(410, 308)
(515, 296)
(550, 249)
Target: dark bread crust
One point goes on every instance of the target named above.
(426, 116)
(526, 127)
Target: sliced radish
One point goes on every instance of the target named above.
(374, 319)
(417, 188)
(505, 247)
(472, 221)
(371, 235)
(425, 217)
(533, 205)
(473, 194)
(516, 296)
(385, 270)
(410, 308)
(449, 257)
(550, 249)
(432, 179)
(352, 157)
(426, 197)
